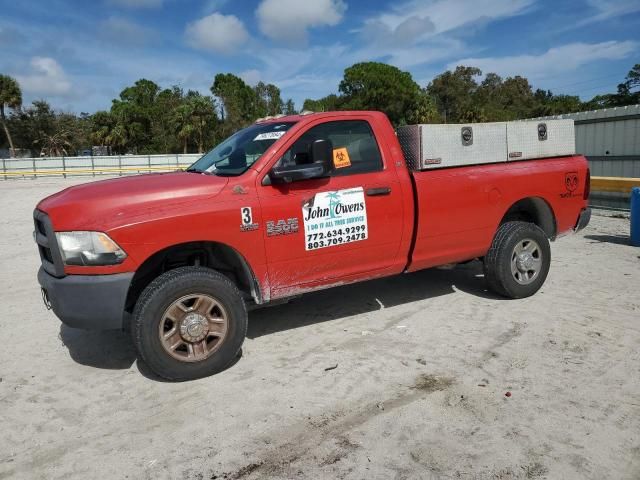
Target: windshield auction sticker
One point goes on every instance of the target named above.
(335, 218)
(269, 136)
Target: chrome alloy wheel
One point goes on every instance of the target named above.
(193, 327)
(526, 261)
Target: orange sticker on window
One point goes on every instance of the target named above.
(341, 158)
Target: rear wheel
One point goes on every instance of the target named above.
(518, 261)
(189, 323)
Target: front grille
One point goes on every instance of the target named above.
(47, 244)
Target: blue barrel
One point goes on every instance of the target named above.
(635, 216)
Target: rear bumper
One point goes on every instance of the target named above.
(583, 219)
(91, 302)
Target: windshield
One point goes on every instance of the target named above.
(241, 150)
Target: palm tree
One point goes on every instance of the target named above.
(334, 199)
(182, 121)
(118, 137)
(11, 96)
(55, 145)
(202, 115)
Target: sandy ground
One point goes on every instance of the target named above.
(423, 365)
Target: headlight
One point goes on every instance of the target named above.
(89, 248)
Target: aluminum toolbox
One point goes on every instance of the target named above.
(540, 138)
(438, 146)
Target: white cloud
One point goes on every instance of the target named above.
(405, 33)
(287, 21)
(418, 32)
(125, 32)
(433, 50)
(46, 78)
(557, 60)
(300, 73)
(445, 15)
(137, 3)
(217, 32)
(608, 9)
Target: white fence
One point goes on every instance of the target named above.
(92, 166)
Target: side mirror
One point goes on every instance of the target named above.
(322, 153)
(320, 166)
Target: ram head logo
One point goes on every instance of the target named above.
(571, 181)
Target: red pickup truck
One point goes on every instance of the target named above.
(286, 206)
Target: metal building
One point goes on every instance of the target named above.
(610, 139)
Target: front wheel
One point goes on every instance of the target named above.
(518, 261)
(189, 323)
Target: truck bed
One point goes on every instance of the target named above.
(459, 209)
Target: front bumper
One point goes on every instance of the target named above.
(91, 302)
(583, 219)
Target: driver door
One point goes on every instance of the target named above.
(340, 228)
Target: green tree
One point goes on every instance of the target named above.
(326, 104)
(184, 129)
(134, 113)
(625, 94)
(203, 114)
(78, 128)
(11, 97)
(487, 98)
(461, 99)
(453, 93)
(237, 101)
(101, 124)
(118, 138)
(193, 119)
(163, 136)
(516, 97)
(47, 132)
(546, 103)
(632, 79)
(378, 86)
(142, 94)
(31, 123)
(55, 145)
(289, 108)
(268, 101)
(423, 110)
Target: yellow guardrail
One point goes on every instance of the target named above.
(84, 171)
(614, 184)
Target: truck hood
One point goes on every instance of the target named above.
(116, 202)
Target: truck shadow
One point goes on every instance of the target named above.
(109, 349)
(113, 349)
(359, 298)
(617, 239)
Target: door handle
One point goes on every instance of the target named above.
(372, 192)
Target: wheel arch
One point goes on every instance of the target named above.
(215, 255)
(535, 210)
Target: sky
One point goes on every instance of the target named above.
(78, 55)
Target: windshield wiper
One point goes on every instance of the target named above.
(195, 170)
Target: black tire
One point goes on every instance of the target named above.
(160, 294)
(498, 260)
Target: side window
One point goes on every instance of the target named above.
(355, 149)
